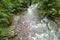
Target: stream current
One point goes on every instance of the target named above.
(28, 27)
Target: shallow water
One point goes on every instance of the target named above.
(40, 30)
(29, 27)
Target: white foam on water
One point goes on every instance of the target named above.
(39, 30)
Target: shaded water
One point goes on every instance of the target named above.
(29, 28)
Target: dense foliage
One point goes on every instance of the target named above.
(51, 7)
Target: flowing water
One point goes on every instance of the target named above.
(30, 28)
